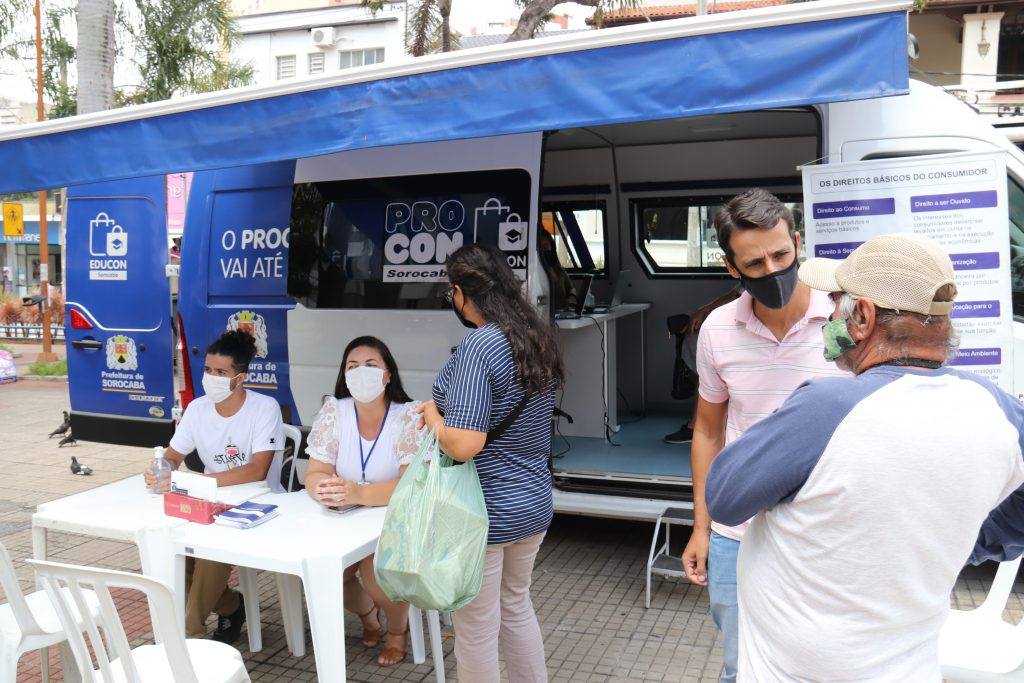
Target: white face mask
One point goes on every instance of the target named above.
(365, 383)
(217, 388)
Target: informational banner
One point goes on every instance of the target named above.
(958, 200)
(177, 199)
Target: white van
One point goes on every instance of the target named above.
(324, 209)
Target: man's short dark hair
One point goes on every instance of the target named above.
(755, 208)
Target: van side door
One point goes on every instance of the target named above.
(120, 363)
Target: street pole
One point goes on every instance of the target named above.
(47, 356)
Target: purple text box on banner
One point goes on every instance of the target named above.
(953, 202)
(978, 261)
(854, 207)
(975, 309)
(978, 357)
(837, 250)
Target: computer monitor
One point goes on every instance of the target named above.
(581, 283)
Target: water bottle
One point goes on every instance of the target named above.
(160, 469)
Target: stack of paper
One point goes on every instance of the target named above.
(246, 515)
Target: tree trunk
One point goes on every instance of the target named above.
(533, 16)
(444, 7)
(95, 55)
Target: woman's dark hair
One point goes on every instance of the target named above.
(484, 275)
(238, 345)
(392, 390)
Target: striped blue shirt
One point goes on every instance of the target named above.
(476, 390)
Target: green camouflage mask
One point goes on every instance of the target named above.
(837, 339)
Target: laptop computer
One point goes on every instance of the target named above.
(581, 283)
(621, 282)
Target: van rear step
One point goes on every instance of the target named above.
(627, 489)
(660, 561)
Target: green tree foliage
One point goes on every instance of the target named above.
(58, 56)
(11, 11)
(178, 46)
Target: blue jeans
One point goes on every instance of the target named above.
(725, 611)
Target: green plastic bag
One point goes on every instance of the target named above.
(431, 550)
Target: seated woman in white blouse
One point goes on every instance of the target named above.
(362, 440)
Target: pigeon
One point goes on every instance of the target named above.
(77, 468)
(67, 441)
(60, 431)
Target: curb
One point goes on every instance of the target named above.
(45, 378)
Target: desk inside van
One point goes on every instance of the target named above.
(591, 372)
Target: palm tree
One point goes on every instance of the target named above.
(95, 55)
(178, 47)
(429, 30)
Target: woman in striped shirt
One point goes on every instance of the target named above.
(492, 403)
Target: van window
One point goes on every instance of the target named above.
(1015, 199)
(383, 242)
(580, 231)
(676, 235)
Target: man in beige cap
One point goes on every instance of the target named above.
(868, 491)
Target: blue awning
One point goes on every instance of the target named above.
(831, 60)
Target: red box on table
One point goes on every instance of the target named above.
(193, 509)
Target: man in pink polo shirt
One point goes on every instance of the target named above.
(751, 354)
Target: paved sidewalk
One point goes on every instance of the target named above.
(588, 583)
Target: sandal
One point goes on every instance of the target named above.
(371, 638)
(390, 656)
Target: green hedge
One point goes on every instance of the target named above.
(60, 368)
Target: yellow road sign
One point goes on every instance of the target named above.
(14, 222)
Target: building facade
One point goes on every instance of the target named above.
(319, 40)
(20, 256)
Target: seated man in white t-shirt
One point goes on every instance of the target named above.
(236, 433)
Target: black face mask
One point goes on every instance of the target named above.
(458, 314)
(775, 290)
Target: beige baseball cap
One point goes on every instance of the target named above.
(900, 271)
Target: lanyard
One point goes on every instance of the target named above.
(364, 461)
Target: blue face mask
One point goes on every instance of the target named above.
(837, 339)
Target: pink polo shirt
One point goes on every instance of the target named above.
(740, 361)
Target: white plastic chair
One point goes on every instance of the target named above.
(171, 658)
(30, 622)
(298, 464)
(977, 646)
(289, 588)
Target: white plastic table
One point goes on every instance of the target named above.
(125, 511)
(589, 347)
(305, 541)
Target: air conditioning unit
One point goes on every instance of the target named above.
(322, 37)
